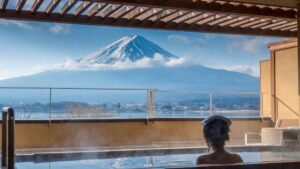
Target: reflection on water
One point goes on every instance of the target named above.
(154, 161)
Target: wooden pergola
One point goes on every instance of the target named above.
(249, 17)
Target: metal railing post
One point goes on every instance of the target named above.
(50, 105)
(150, 111)
(210, 104)
(4, 138)
(11, 138)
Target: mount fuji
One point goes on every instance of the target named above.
(130, 48)
(134, 49)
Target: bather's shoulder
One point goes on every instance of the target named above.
(236, 158)
(202, 159)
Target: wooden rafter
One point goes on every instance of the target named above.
(154, 14)
(167, 15)
(205, 19)
(284, 26)
(255, 22)
(202, 6)
(3, 5)
(180, 15)
(20, 5)
(141, 13)
(225, 21)
(36, 5)
(83, 19)
(53, 4)
(260, 25)
(191, 18)
(274, 24)
(289, 28)
(67, 6)
(234, 21)
(96, 9)
(112, 10)
(188, 15)
(81, 8)
(218, 20)
(126, 12)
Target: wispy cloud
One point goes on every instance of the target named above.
(252, 70)
(59, 28)
(158, 60)
(20, 24)
(252, 45)
(179, 38)
(32, 26)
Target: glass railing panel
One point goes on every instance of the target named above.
(236, 105)
(182, 104)
(28, 103)
(96, 103)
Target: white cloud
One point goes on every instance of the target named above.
(20, 24)
(158, 60)
(252, 70)
(59, 28)
(209, 36)
(252, 45)
(33, 26)
(179, 38)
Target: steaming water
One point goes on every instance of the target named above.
(154, 161)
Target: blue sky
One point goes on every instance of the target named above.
(31, 47)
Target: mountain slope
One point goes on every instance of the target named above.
(130, 48)
(133, 48)
(182, 77)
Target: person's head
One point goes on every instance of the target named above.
(216, 131)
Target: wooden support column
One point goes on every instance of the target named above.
(298, 53)
(273, 88)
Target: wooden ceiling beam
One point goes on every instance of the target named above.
(204, 18)
(167, 15)
(81, 8)
(141, 13)
(53, 4)
(36, 5)
(67, 6)
(134, 23)
(153, 14)
(191, 18)
(126, 12)
(234, 21)
(213, 7)
(113, 10)
(260, 25)
(20, 5)
(221, 19)
(96, 9)
(274, 25)
(3, 5)
(181, 14)
(254, 22)
(289, 28)
(284, 26)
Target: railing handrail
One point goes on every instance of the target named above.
(141, 89)
(75, 88)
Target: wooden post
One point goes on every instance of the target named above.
(4, 138)
(298, 53)
(273, 87)
(11, 138)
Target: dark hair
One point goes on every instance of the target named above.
(216, 133)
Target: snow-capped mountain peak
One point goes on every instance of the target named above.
(129, 48)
